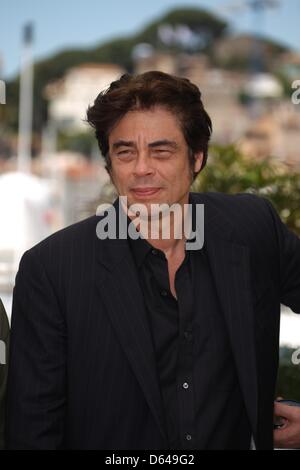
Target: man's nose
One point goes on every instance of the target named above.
(143, 165)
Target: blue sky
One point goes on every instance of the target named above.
(65, 23)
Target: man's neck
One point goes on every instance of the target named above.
(170, 245)
(154, 232)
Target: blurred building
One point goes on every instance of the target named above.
(248, 52)
(70, 96)
(269, 127)
(220, 89)
(27, 217)
(165, 62)
(78, 182)
(276, 134)
(263, 86)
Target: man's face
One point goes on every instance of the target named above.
(149, 158)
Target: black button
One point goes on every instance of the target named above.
(164, 293)
(154, 252)
(188, 437)
(188, 335)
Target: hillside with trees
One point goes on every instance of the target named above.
(191, 30)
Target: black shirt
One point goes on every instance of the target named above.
(203, 403)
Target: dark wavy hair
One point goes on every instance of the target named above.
(144, 91)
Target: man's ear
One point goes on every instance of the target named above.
(198, 159)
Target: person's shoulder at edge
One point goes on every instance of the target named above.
(4, 325)
(4, 337)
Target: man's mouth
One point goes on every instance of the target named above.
(145, 191)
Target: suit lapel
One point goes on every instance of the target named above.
(120, 290)
(230, 264)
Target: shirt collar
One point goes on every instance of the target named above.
(140, 248)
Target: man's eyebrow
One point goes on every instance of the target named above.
(156, 143)
(164, 142)
(123, 143)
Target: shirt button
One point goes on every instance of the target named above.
(154, 252)
(188, 335)
(185, 385)
(188, 437)
(164, 293)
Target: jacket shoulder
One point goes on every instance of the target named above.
(252, 217)
(65, 237)
(236, 206)
(66, 247)
(228, 200)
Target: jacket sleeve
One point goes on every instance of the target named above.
(36, 389)
(4, 339)
(289, 259)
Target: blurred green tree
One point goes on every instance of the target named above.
(81, 142)
(229, 171)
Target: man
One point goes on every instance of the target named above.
(4, 337)
(137, 342)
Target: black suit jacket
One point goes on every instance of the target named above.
(82, 370)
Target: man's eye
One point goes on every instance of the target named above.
(124, 152)
(162, 152)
